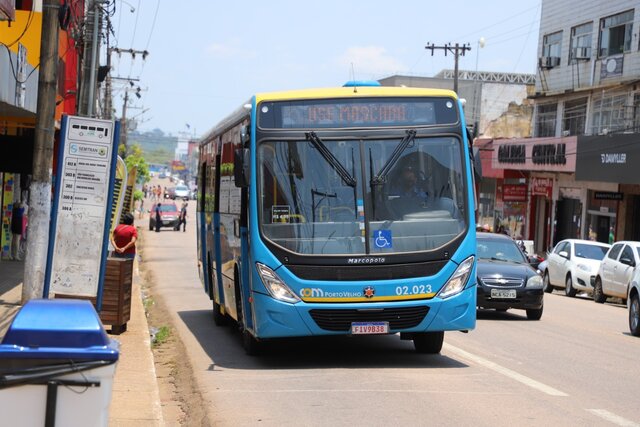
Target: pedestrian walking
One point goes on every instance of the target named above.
(158, 217)
(183, 218)
(16, 231)
(124, 238)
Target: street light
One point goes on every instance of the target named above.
(133, 9)
(476, 102)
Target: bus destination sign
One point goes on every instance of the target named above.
(346, 113)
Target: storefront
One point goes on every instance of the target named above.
(540, 201)
(612, 161)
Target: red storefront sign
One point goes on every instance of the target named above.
(541, 187)
(514, 192)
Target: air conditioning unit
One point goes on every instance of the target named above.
(582, 53)
(549, 61)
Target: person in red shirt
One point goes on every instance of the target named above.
(124, 238)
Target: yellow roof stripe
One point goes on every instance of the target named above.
(348, 92)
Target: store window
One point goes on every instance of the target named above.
(575, 115)
(487, 202)
(601, 216)
(546, 117)
(609, 112)
(616, 34)
(580, 42)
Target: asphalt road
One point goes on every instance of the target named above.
(577, 366)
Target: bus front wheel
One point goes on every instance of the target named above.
(428, 342)
(250, 343)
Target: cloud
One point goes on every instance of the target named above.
(371, 61)
(229, 49)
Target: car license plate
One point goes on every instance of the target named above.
(503, 293)
(369, 328)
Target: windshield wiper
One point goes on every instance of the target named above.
(382, 176)
(331, 159)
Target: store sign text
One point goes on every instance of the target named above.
(613, 158)
(512, 153)
(549, 154)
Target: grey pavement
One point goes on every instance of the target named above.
(135, 399)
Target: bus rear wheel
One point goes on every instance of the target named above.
(219, 318)
(428, 342)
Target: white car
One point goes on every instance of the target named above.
(182, 192)
(573, 265)
(633, 303)
(617, 268)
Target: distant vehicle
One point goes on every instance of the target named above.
(573, 265)
(170, 193)
(181, 192)
(633, 303)
(169, 214)
(617, 267)
(162, 175)
(505, 278)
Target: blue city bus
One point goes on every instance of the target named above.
(343, 211)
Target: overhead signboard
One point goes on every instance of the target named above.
(609, 158)
(80, 221)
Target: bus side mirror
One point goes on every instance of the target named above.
(241, 171)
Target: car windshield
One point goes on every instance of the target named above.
(500, 250)
(181, 188)
(168, 208)
(596, 252)
(309, 205)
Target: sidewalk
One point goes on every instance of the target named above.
(135, 399)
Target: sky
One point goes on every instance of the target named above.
(207, 58)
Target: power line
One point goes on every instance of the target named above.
(495, 24)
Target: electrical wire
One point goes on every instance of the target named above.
(26, 27)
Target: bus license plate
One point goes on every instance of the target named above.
(369, 328)
(503, 293)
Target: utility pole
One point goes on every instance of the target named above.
(40, 208)
(457, 50)
(123, 123)
(90, 60)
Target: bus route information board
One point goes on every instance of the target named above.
(83, 193)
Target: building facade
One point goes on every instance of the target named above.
(586, 125)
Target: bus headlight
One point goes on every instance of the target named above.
(458, 280)
(275, 285)
(534, 282)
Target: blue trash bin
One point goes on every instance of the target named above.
(56, 366)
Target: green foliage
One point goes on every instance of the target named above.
(138, 195)
(136, 159)
(161, 336)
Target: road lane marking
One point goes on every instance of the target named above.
(613, 418)
(530, 382)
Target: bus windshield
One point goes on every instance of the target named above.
(409, 195)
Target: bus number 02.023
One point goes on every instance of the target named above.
(415, 289)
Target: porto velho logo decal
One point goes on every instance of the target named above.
(321, 293)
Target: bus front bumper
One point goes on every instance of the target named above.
(276, 319)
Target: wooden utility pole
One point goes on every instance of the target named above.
(456, 50)
(40, 202)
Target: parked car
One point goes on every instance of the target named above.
(181, 192)
(505, 278)
(573, 265)
(633, 304)
(170, 193)
(168, 212)
(615, 272)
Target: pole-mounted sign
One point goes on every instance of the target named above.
(79, 232)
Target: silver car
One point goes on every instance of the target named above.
(616, 270)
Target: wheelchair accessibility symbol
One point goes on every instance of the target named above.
(382, 239)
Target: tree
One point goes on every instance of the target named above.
(136, 159)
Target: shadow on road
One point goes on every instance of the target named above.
(224, 347)
(502, 315)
